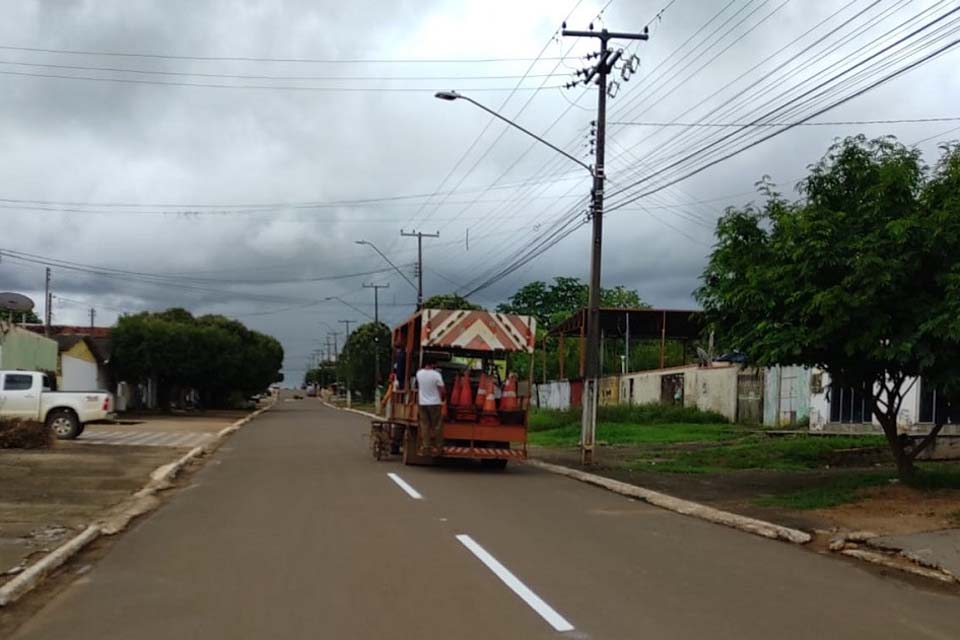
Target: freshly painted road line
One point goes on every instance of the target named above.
(536, 603)
(413, 493)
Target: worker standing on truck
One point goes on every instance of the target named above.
(430, 397)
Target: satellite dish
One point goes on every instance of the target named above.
(15, 302)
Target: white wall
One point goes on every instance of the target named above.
(554, 395)
(713, 389)
(906, 419)
(78, 375)
(708, 389)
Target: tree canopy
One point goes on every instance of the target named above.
(551, 303)
(15, 316)
(860, 278)
(213, 354)
(451, 301)
(356, 364)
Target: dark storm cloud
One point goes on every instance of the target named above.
(102, 142)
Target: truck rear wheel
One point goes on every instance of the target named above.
(494, 463)
(64, 424)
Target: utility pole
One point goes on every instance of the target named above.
(346, 341)
(606, 59)
(48, 308)
(93, 315)
(376, 340)
(419, 236)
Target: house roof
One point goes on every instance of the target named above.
(642, 324)
(72, 330)
(99, 347)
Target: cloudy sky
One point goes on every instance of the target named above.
(231, 157)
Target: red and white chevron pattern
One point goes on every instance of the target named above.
(478, 330)
(483, 452)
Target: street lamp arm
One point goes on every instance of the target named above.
(396, 268)
(452, 95)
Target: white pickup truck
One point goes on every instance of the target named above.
(27, 395)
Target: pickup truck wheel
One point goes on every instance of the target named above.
(64, 424)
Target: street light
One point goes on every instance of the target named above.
(383, 255)
(591, 388)
(450, 96)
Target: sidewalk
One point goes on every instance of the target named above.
(50, 495)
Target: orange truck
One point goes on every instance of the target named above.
(486, 413)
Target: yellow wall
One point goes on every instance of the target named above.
(81, 351)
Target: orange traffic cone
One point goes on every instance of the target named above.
(508, 401)
(489, 400)
(456, 393)
(482, 391)
(466, 393)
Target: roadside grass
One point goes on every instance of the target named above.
(757, 451)
(638, 434)
(638, 414)
(930, 476)
(843, 490)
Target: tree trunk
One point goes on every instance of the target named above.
(897, 444)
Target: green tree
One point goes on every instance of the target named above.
(14, 316)
(323, 375)
(550, 304)
(553, 303)
(216, 356)
(860, 278)
(450, 301)
(356, 363)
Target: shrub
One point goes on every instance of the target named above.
(25, 434)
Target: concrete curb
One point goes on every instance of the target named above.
(908, 566)
(141, 502)
(356, 411)
(26, 581)
(685, 507)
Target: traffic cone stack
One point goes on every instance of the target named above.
(489, 399)
(489, 415)
(509, 400)
(482, 391)
(466, 393)
(456, 393)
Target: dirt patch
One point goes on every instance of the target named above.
(896, 510)
(25, 434)
(50, 495)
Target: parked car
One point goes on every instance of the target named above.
(27, 395)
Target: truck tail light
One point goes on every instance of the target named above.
(106, 403)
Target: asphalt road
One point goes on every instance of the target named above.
(293, 531)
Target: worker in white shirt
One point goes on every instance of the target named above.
(430, 396)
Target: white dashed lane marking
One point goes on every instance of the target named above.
(410, 491)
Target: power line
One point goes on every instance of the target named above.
(209, 85)
(791, 102)
(157, 56)
(234, 76)
(831, 123)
